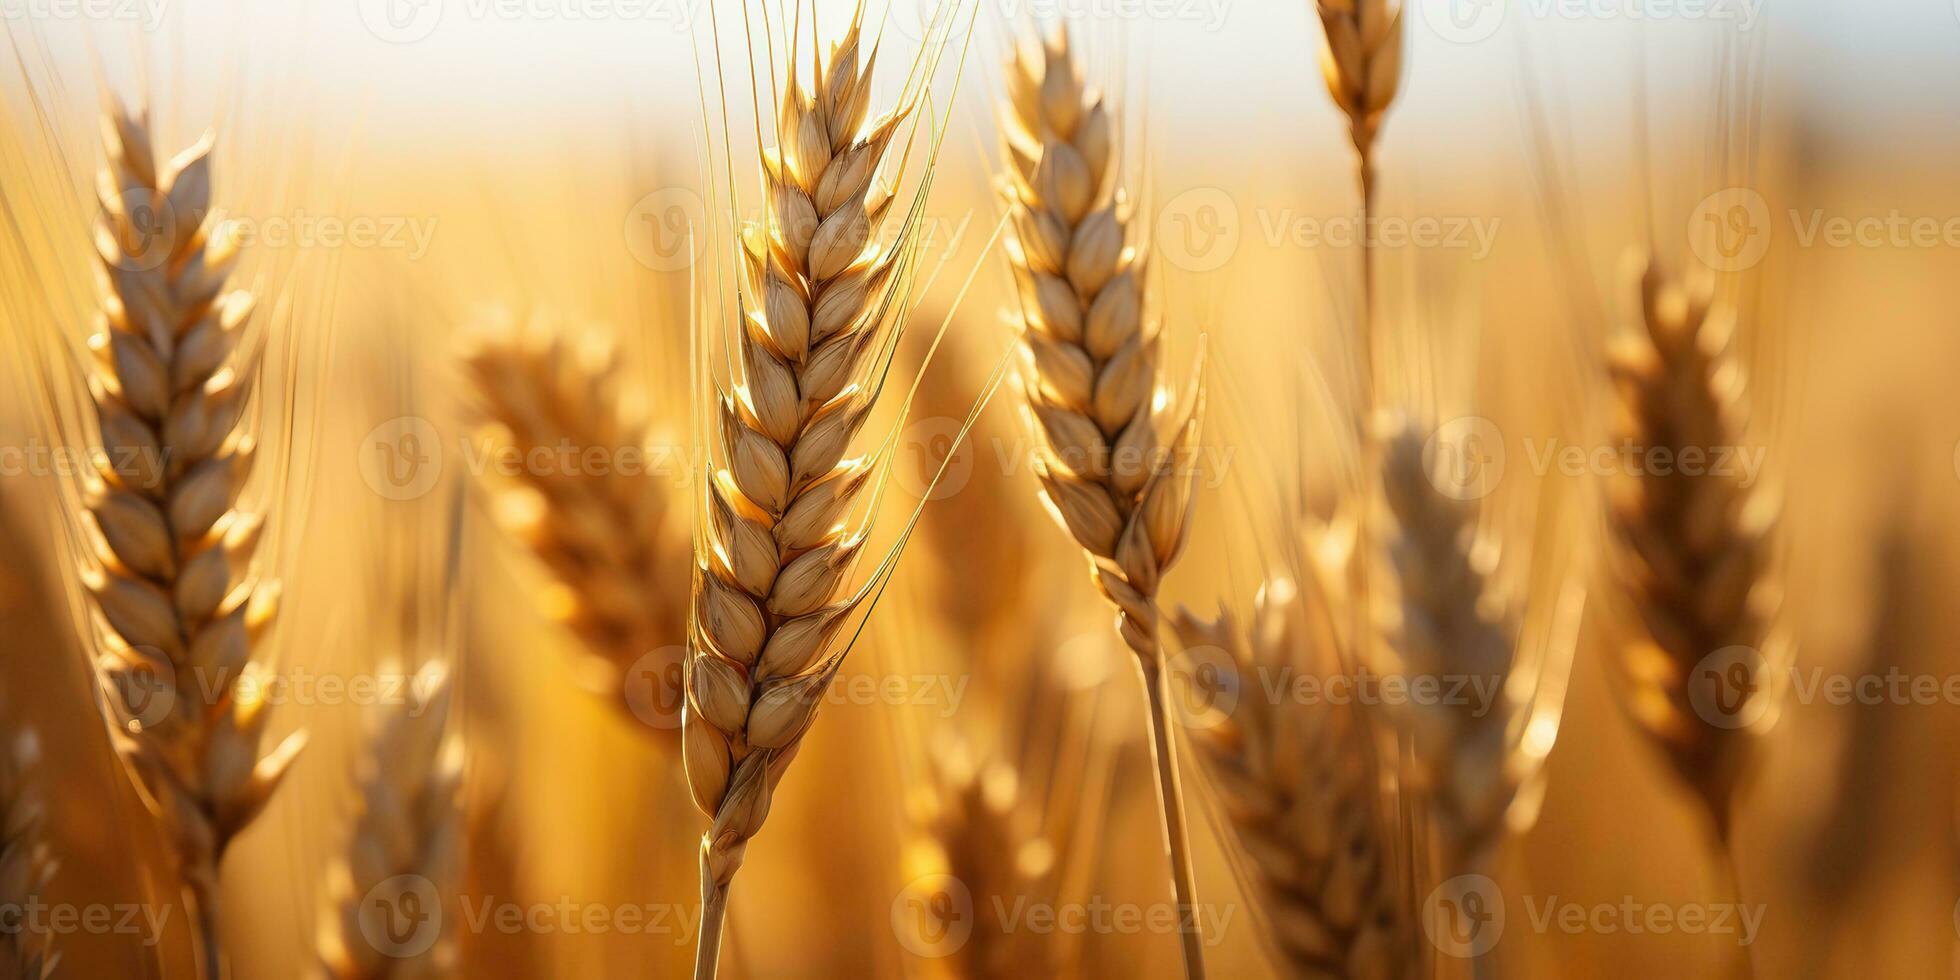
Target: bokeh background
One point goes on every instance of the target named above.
(557, 157)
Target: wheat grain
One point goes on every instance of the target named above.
(1299, 787)
(773, 549)
(602, 531)
(1692, 551)
(405, 845)
(173, 580)
(1093, 387)
(25, 865)
(1361, 61)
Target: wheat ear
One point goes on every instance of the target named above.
(25, 866)
(604, 535)
(1447, 618)
(773, 548)
(1692, 552)
(408, 826)
(1299, 787)
(1093, 385)
(978, 835)
(174, 579)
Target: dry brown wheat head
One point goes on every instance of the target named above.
(1692, 552)
(606, 534)
(1300, 788)
(822, 306)
(408, 831)
(1093, 383)
(174, 579)
(1361, 61)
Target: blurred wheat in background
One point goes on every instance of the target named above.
(481, 480)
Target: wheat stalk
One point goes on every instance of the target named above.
(604, 534)
(773, 548)
(1093, 386)
(1692, 552)
(1299, 786)
(173, 578)
(408, 827)
(25, 865)
(1361, 62)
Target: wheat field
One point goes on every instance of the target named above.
(978, 488)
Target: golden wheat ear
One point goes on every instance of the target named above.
(806, 356)
(608, 538)
(1445, 612)
(1691, 554)
(1093, 381)
(406, 848)
(1300, 789)
(173, 575)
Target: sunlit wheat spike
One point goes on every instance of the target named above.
(1444, 616)
(1299, 787)
(1692, 552)
(1093, 377)
(25, 865)
(1093, 383)
(823, 301)
(605, 532)
(1361, 60)
(174, 579)
(406, 844)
